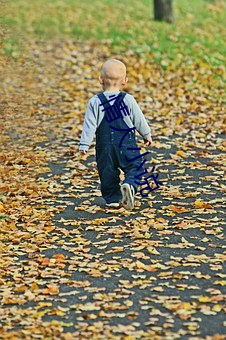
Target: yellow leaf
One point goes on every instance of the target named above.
(155, 161)
(158, 289)
(1, 208)
(44, 304)
(38, 315)
(160, 227)
(217, 308)
(78, 239)
(202, 205)
(183, 240)
(153, 251)
(181, 153)
(192, 326)
(115, 250)
(34, 286)
(187, 306)
(204, 299)
(67, 336)
(222, 282)
(12, 225)
(100, 221)
(140, 265)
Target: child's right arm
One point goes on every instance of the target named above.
(89, 128)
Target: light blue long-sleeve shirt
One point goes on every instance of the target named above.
(95, 114)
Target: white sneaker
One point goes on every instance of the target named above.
(128, 193)
(113, 205)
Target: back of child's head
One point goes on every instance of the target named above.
(113, 71)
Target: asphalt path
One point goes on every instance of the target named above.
(154, 273)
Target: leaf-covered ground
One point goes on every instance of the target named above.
(69, 268)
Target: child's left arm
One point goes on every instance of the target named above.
(148, 141)
(140, 122)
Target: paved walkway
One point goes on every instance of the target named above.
(80, 271)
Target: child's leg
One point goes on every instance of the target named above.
(107, 165)
(130, 168)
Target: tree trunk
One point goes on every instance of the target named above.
(163, 10)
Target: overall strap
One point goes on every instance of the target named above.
(105, 102)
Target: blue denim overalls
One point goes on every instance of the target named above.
(110, 156)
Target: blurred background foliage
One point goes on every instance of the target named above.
(198, 31)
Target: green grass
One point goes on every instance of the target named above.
(198, 30)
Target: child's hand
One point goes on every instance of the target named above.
(148, 141)
(83, 152)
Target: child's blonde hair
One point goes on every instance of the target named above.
(113, 71)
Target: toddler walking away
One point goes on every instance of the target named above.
(116, 146)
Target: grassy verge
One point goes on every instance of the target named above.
(197, 33)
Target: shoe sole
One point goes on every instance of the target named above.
(112, 205)
(127, 196)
